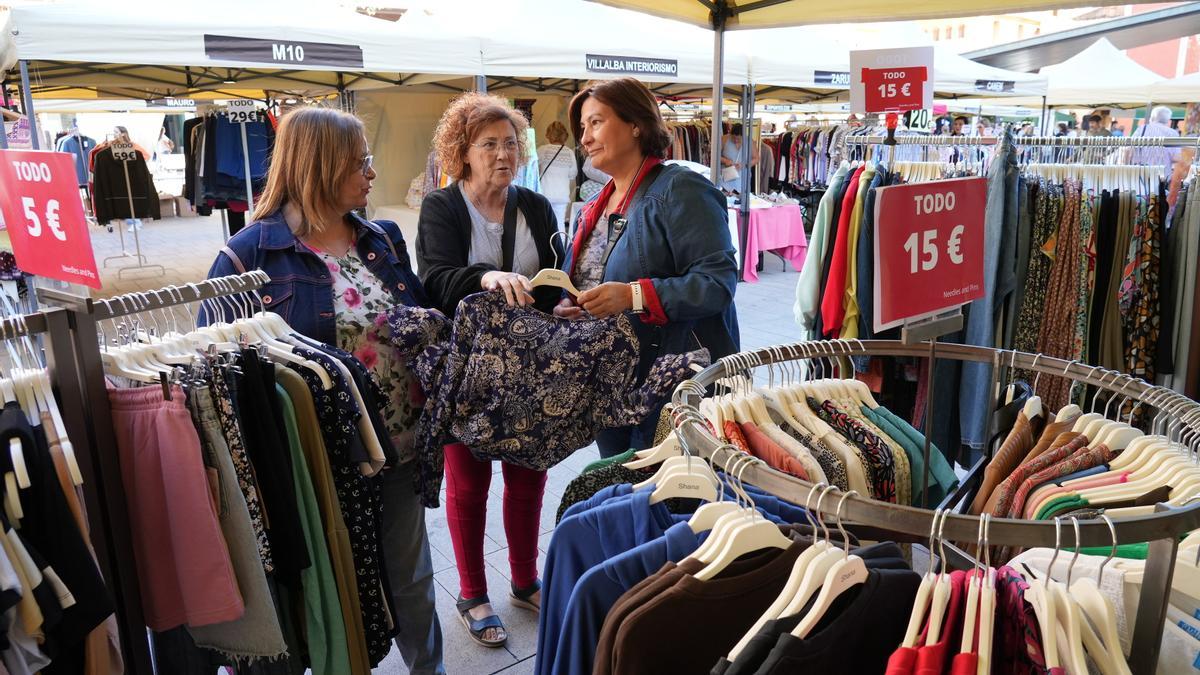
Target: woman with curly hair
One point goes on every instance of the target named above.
(482, 233)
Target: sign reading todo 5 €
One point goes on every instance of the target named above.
(928, 248)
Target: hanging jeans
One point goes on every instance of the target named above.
(467, 482)
(410, 572)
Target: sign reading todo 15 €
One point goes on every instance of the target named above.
(891, 80)
(928, 248)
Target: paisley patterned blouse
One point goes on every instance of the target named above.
(522, 386)
(877, 457)
(362, 303)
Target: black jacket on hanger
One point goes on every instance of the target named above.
(110, 196)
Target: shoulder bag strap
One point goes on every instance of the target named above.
(551, 162)
(616, 225)
(233, 257)
(508, 240)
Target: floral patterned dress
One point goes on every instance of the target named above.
(362, 303)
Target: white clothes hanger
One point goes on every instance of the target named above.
(847, 573)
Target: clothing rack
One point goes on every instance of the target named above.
(53, 327)
(1162, 530)
(1050, 141)
(86, 413)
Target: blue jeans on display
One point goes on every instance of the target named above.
(974, 394)
(410, 573)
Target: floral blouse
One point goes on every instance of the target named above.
(362, 304)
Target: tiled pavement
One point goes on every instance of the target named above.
(187, 247)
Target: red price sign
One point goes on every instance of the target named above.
(928, 248)
(44, 216)
(894, 89)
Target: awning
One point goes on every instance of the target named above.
(776, 13)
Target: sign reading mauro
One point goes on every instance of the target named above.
(286, 52)
(631, 65)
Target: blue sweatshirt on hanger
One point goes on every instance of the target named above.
(584, 541)
(599, 589)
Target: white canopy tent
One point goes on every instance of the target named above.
(140, 49)
(1100, 75)
(774, 60)
(1185, 89)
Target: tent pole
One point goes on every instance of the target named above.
(744, 194)
(718, 92)
(27, 103)
(1042, 119)
(481, 84)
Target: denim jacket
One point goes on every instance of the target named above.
(677, 236)
(301, 286)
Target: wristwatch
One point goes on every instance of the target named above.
(639, 306)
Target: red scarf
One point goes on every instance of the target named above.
(594, 209)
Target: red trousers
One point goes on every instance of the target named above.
(467, 482)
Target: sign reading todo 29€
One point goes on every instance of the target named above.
(39, 196)
(928, 248)
(891, 80)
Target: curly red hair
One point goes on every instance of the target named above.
(463, 120)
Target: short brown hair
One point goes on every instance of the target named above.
(460, 123)
(556, 133)
(634, 104)
(315, 149)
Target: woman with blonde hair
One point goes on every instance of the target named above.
(558, 169)
(334, 278)
(482, 233)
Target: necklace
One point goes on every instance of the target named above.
(480, 208)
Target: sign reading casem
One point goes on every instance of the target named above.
(631, 65)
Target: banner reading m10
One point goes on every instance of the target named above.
(287, 52)
(631, 65)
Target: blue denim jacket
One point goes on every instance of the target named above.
(301, 287)
(678, 236)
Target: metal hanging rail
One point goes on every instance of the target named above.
(1162, 529)
(1037, 141)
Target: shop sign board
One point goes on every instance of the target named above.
(123, 152)
(995, 86)
(928, 248)
(282, 52)
(891, 80)
(39, 198)
(630, 65)
(919, 120)
(173, 103)
(838, 79)
(241, 111)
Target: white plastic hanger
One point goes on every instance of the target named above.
(556, 278)
(924, 592)
(942, 589)
(790, 589)
(756, 535)
(706, 517)
(846, 574)
(1099, 611)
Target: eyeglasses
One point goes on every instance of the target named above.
(368, 161)
(492, 146)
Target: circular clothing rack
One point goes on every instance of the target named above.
(1168, 412)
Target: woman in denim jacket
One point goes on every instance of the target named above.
(334, 276)
(655, 241)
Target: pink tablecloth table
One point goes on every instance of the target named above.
(779, 230)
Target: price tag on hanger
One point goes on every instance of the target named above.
(928, 248)
(891, 80)
(43, 214)
(123, 152)
(241, 111)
